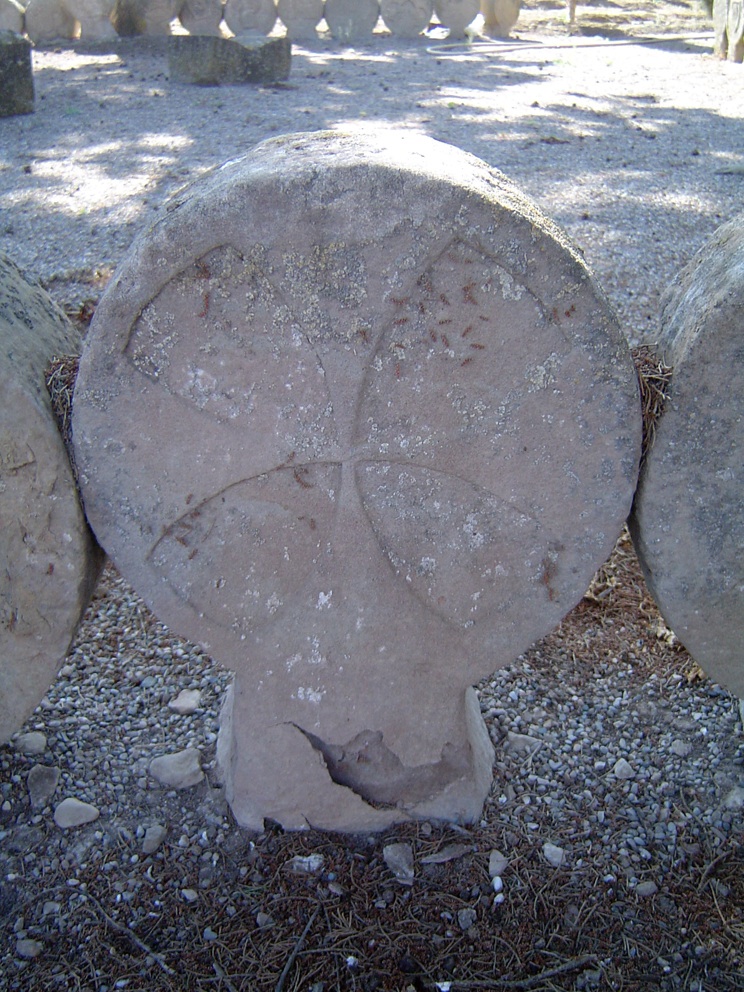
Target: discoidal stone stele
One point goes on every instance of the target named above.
(355, 417)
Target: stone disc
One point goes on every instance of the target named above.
(406, 18)
(688, 516)
(48, 560)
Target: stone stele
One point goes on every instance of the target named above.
(48, 562)
(205, 60)
(355, 417)
(16, 75)
(688, 516)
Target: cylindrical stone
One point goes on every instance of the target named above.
(456, 14)
(356, 417)
(250, 15)
(301, 17)
(48, 564)
(406, 18)
(11, 16)
(146, 17)
(351, 20)
(688, 516)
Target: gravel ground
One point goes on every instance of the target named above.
(617, 803)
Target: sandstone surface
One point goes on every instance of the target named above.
(48, 560)
(208, 60)
(355, 417)
(688, 518)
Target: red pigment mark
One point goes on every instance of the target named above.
(298, 477)
(482, 316)
(445, 341)
(397, 370)
(202, 270)
(189, 498)
(193, 553)
(205, 309)
(549, 572)
(443, 323)
(467, 330)
(400, 301)
(433, 336)
(400, 321)
(421, 309)
(466, 361)
(50, 568)
(571, 309)
(444, 299)
(478, 347)
(467, 293)
(362, 334)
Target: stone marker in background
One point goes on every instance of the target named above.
(499, 16)
(406, 18)
(355, 417)
(48, 564)
(351, 20)
(242, 16)
(11, 16)
(728, 24)
(456, 15)
(208, 61)
(301, 17)
(688, 517)
(49, 20)
(94, 17)
(201, 16)
(16, 75)
(148, 17)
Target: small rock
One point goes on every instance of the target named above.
(73, 813)
(449, 853)
(263, 920)
(50, 907)
(28, 948)
(497, 883)
(154, 837)
(209, 934)
(497, 863)
(186, 702)
(399, 859)
(190, 895)
(553, 854)
(178, 771)
(646, 889)
(466, 918)
(41, 783)
(735, 798)
(681, 748)
(622, 769)
(309, 865)
(34, 742)
(521, 743)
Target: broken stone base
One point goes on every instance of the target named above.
(48, 562)
(16, 75)
(688, 517)
(211, 61)
(376, 428)
(282, 772)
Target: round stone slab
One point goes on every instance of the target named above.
(48, 560)
(355, 417)
(688, 519)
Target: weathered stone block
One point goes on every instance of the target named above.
(209, 61)
(688, 516)
(356, 417)
(48, 562)
(16, 75)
